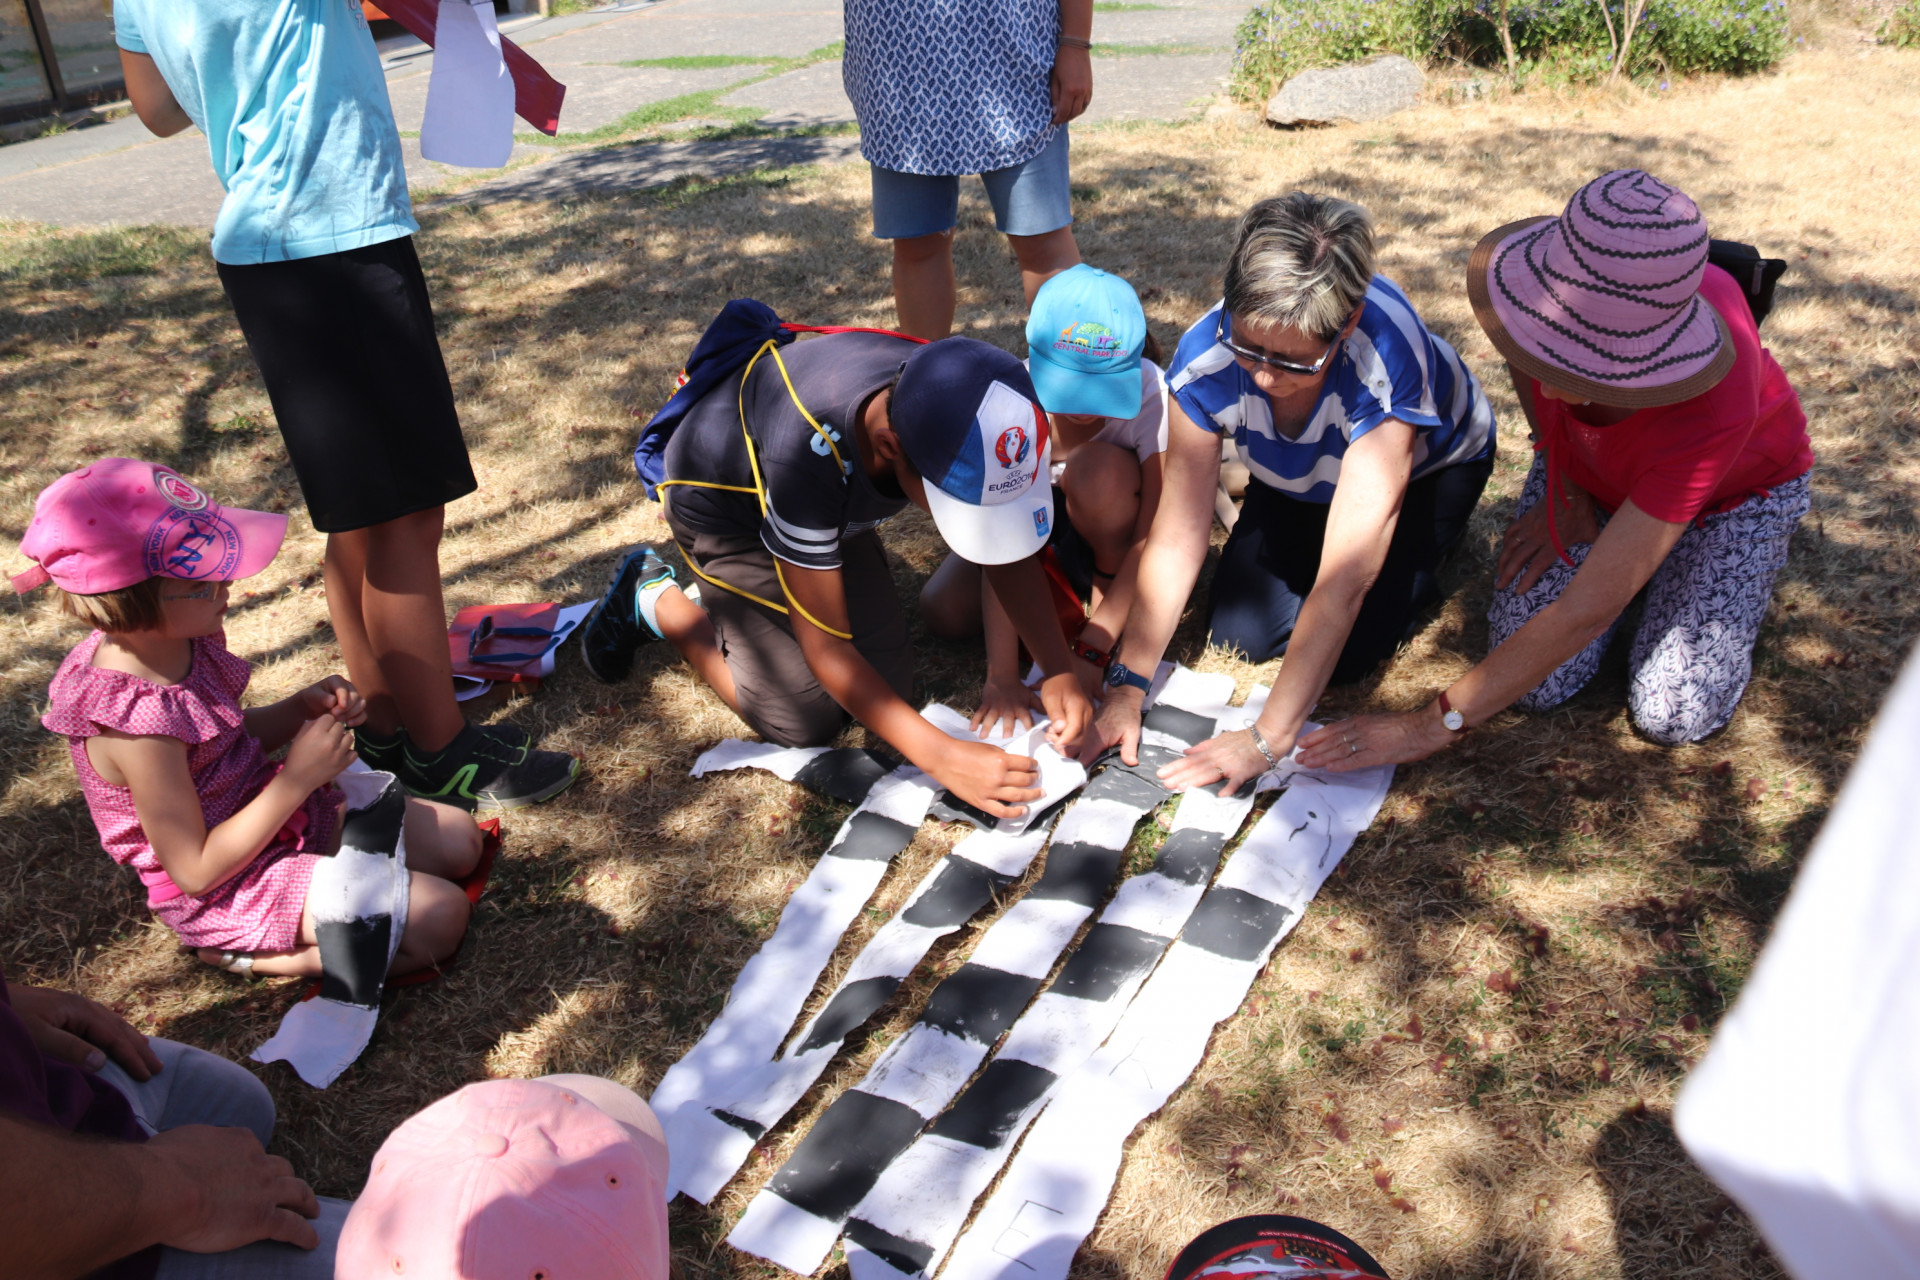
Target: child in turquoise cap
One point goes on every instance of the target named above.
(1106, 407)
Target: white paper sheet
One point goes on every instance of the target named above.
(320, 1039)
(469, 116)
(1805, 1108)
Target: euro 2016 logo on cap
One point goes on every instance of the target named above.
(1012, 447)
(178, 491)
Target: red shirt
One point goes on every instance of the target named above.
(1701, 456)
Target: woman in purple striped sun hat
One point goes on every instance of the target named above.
(1670, 455)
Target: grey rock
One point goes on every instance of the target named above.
(1363, 91)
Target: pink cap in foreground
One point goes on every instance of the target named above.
(561, 1179)
(118, 522)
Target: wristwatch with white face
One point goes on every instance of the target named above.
(1455, 722)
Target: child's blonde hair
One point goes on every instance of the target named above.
(134, 608)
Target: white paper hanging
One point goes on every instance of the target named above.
(469, 118)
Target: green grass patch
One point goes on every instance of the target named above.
(47, 258)
(1154, 50)
(697, 62)
(687, 106)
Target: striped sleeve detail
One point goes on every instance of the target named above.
(797, 544)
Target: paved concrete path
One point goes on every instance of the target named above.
(1152, 61)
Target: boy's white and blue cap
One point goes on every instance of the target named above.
(1084, 338)
(969, 422)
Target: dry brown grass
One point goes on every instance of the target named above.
(1467, 1054)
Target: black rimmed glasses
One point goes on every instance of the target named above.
(1284, 365)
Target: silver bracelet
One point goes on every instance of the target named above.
(1260, 744)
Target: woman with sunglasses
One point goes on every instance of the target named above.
(1369, 443)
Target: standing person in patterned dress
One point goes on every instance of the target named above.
(952, 87)
(1670, 454)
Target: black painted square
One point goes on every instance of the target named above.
(844, 1153)
(977, 1002)
(353, 958)
(872, 838)
(987, 1113)
(851, 1005)
(1108, 957)
(1184, 725)
(959, 889)
(1235, 924)
(1190, 855)
(1136, 788)
(376, 828)
(897, 1252)
(1076, 872)
(845, 773)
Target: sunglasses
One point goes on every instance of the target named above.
(1256, 356)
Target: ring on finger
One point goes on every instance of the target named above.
(1353, 748)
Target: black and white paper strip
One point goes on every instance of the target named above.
(1055, 1189)
(358, 899)
(773, 987)
(909, 1192)
(738, 1085)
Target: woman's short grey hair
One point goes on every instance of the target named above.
(1303, 261)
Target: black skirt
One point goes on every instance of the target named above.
(346, 346)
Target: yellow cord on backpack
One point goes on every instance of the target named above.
(759, 490)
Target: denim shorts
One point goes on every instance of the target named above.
(1028, 199)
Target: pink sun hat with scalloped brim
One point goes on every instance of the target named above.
(120, 521)
(1604, 301)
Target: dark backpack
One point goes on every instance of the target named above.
(743, 326)
(1755, 275)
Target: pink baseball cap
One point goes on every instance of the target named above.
(1605, 299)
(561, 1178)
(117, 523)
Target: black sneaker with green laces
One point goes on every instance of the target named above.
(619, 624)
(388, 755)
(487, 767)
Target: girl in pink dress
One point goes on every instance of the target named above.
(174, 770)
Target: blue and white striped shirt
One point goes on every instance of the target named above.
(1390, 367)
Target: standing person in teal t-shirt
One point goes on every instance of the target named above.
(314, 245)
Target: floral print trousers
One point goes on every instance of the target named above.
(1693, 653)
